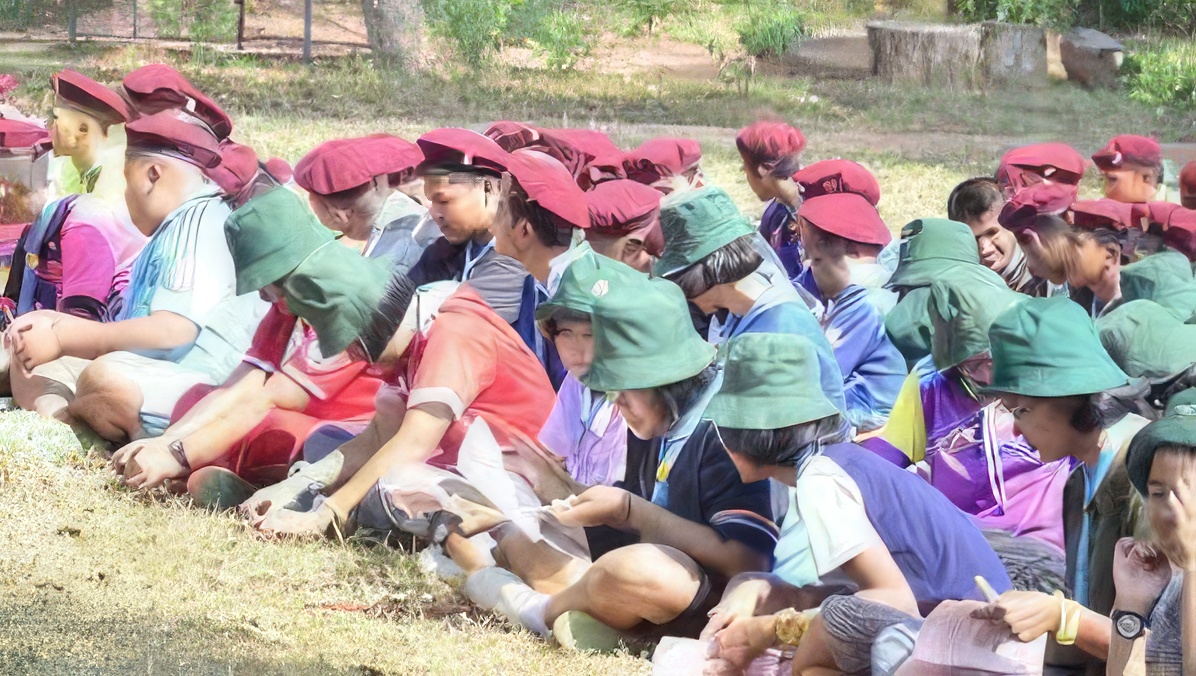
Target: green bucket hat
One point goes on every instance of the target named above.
(961, 308)
(1176, 428)
(1147, 340)
(1165, 278)
(1048, 347)
(585, 277)
(696, 223)
(269, 236)
(643, 336)
(930, 247)
(770, 381)
(336, 291)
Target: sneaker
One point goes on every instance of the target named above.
(218, 488)
(577, 631)
(433, 560)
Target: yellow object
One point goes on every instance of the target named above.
(1069, 620)
(791, 626)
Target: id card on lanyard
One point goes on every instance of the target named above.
(675, 439)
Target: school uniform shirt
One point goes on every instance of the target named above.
(774, 228)
(873, 370)
(474, 363)
(536, 293)
(186, 268)
(871, 276)
(847, 500)
(499, 280)
(778, 309)
(393, 233)
(585, 429)
(970, 453)
(1100, 506)
(1164, 645)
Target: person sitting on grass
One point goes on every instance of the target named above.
(835, 229)
(1069, 399)
(352, 186)
(1132, 168)
(771, 154)
(179, 322)
(461, 172)
(931, 248)
(625, 223)
(664, 541)
(862, 260)
(295, 375)
(85, 112)
(851, 517)
(977, 203)
(542, 209)
(1154, 614)
(710, 253)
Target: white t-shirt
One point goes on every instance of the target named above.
(825, 527)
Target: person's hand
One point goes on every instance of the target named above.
(740, 604)
(1140, 573)
(597, 506)
(1180, 547)
(288, 522)
(742, 641)
(146, 464)
(270, 499)
(1029, 614)
(32, 339)
(542, 468)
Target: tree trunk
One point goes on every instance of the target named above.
(1013, 53)
(395, 31)
(925, 54)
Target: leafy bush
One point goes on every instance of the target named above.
(1055, 14)
(770, 29)
(472, 27)
(563, 38)
(1162, 74)
(201, 20)
(650, 13)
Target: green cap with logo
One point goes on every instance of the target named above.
(931, 248)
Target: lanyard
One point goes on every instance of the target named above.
(472, 259)
(675, 439)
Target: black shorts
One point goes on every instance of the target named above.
(691, 621)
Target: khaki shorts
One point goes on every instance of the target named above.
(162, 383)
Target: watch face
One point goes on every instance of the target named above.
(1129, 626)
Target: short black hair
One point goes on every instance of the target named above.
(679, 395)
(726, 265)
(786, 446)
(387, 316)
(973, 198)
(544, 224)
(560, 315)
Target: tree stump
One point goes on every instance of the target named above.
(928, 55)
(1091, 58)
(1012, 53)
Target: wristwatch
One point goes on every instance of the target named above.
(1130, 625)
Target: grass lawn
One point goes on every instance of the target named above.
(96, 579)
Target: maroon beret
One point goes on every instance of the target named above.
(86, 95)
(1039, 199)
(607, 167)
(17, 134)
(343, 164)
(551, 186)
(848, 215)
(279, 169)
(766, 142)
(512, 135)
(238, 166)
(174, 134)
(1129, 149)
(1180, 232)
(832, 176)
(462, 147)
(159, 87)
(622, 207)
(661, 158)
(1107, 213)
(1055, 162)
(1157, 213)
(585, 140)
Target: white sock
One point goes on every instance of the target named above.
(501, 590)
